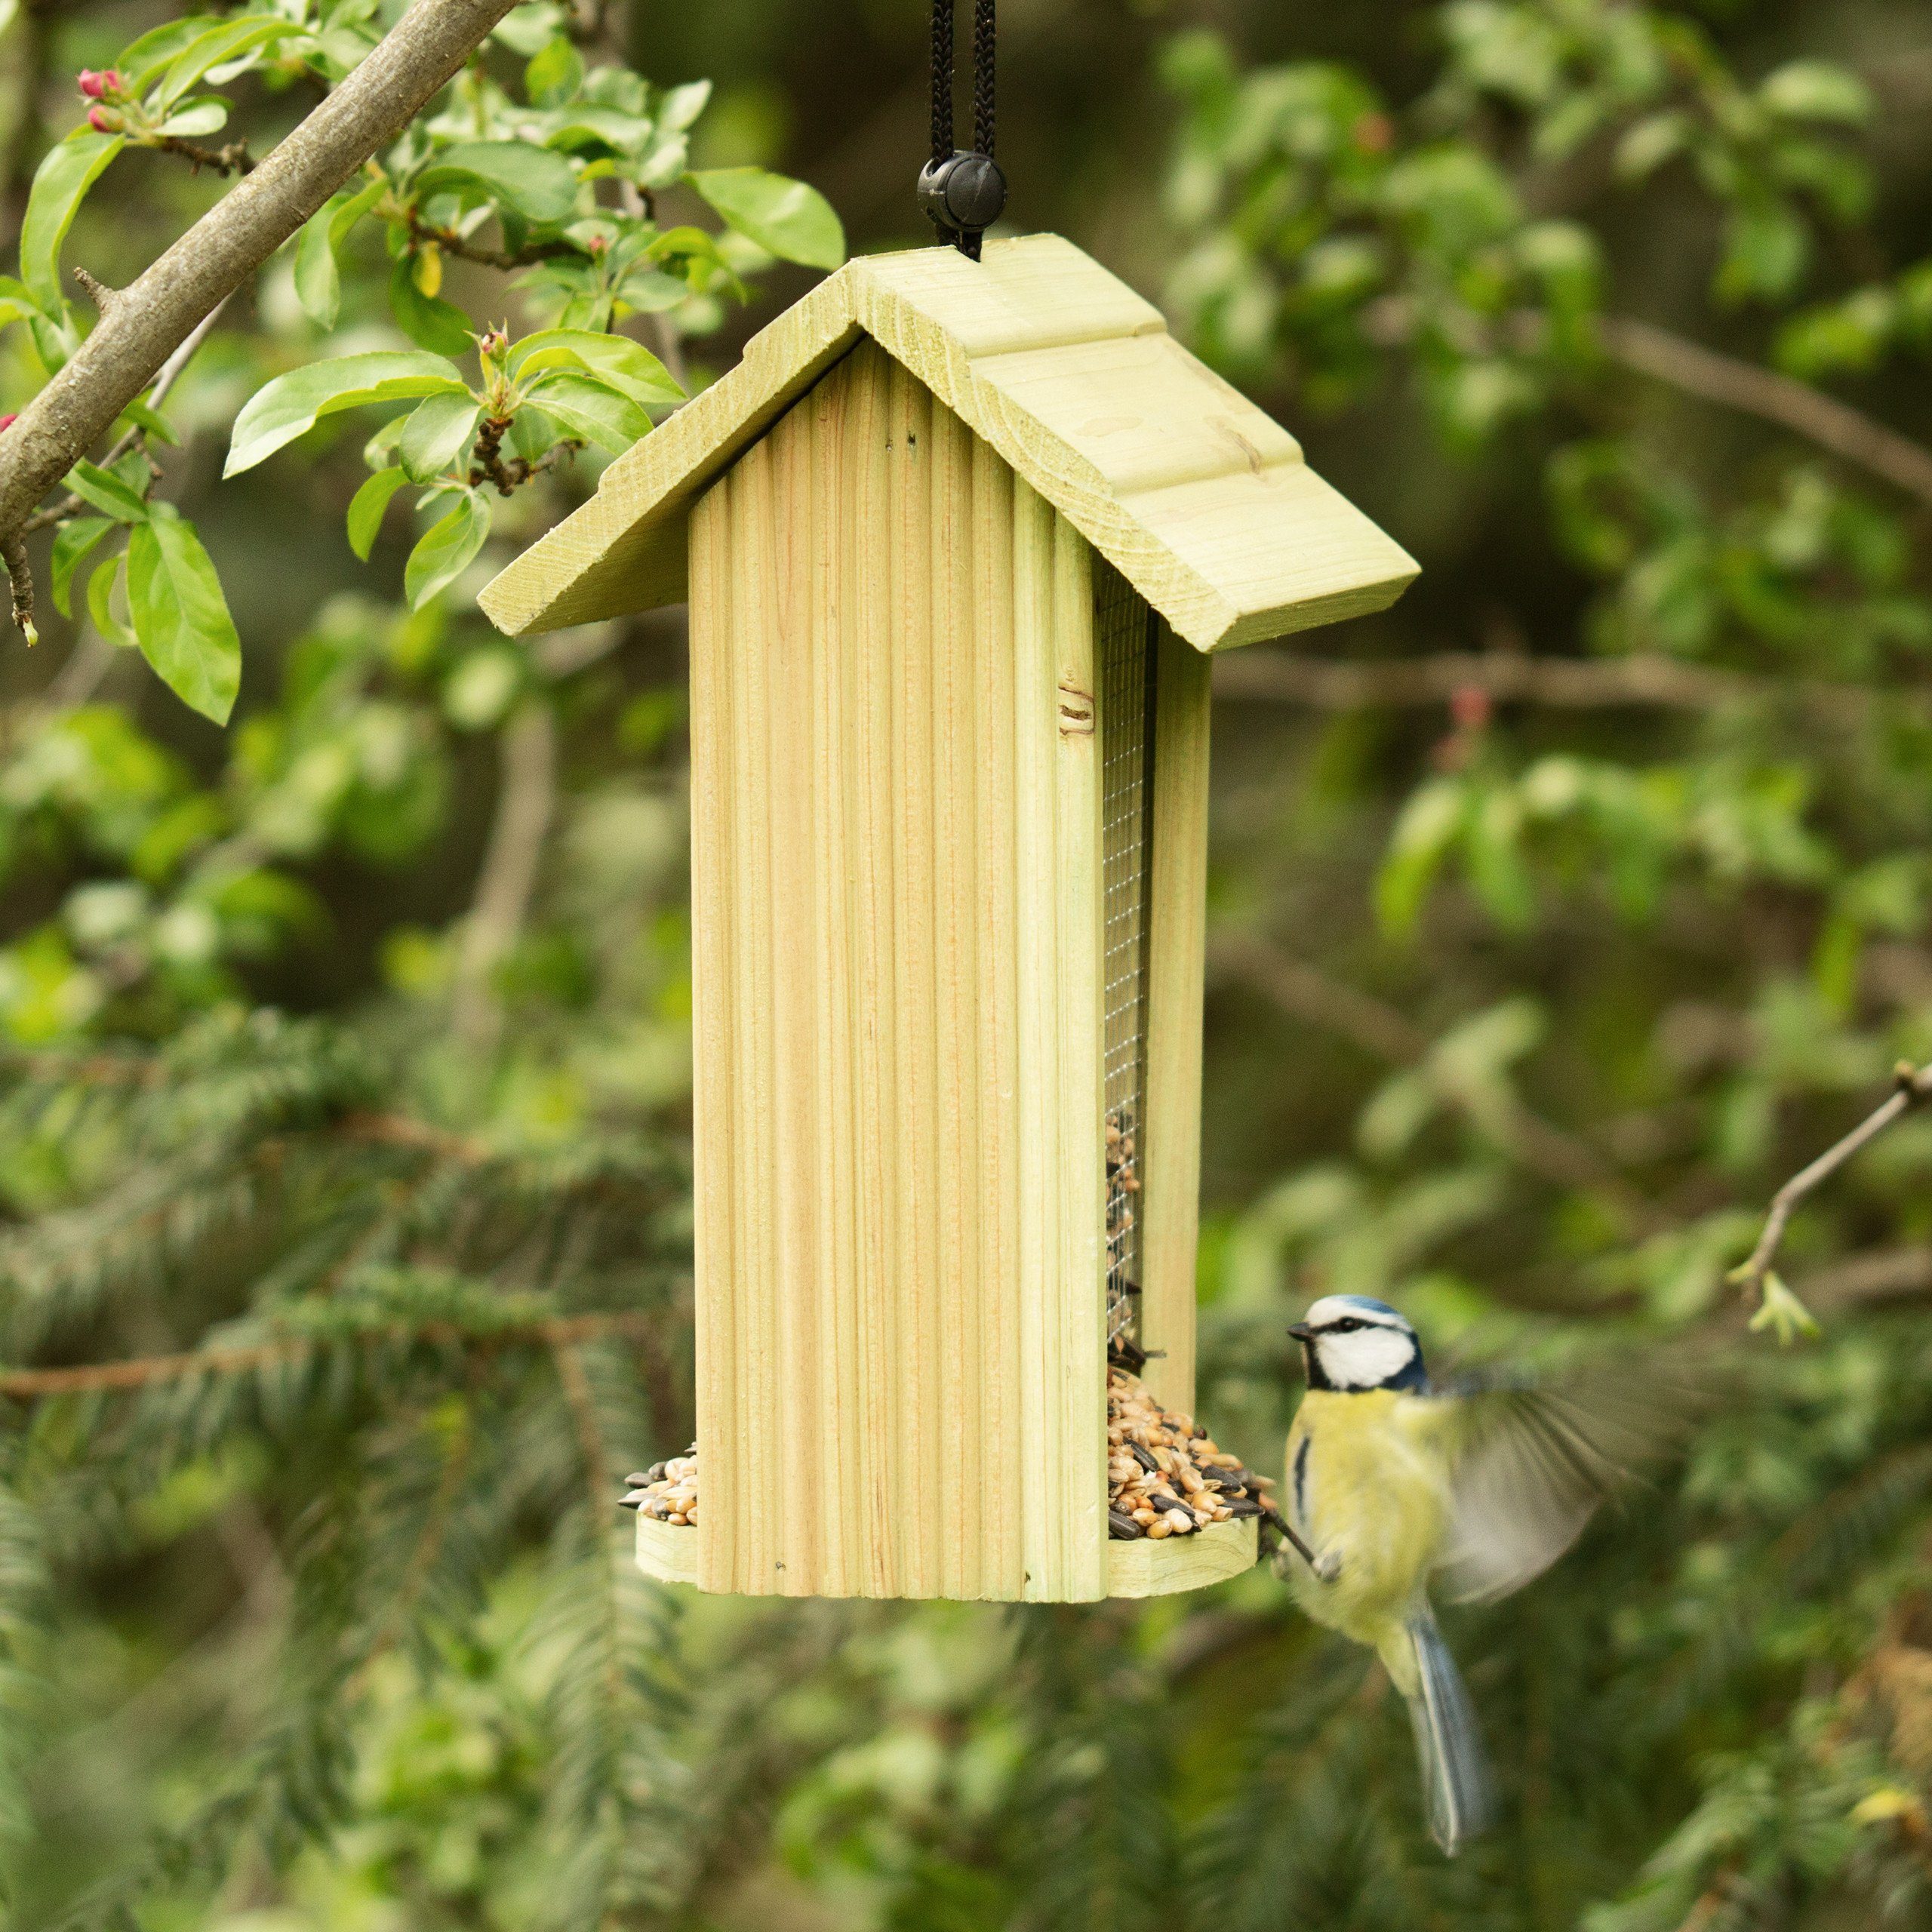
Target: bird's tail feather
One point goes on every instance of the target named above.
(1455, 1770)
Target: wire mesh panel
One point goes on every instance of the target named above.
(1123, 667)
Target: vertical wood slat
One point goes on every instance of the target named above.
(898, 924)
(1177, 960)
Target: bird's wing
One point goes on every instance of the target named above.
(1530, 1463)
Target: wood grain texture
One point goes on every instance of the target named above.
(900, 1384)
(667, 1551)
(1177, 962)
(1202, 501)
(1211, 1555)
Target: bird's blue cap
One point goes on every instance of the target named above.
(1368, 1302)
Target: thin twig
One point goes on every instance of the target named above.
(143, 1371)
(1774, 398)
(1663, 356)
(165, 378)
(1536, 1145)
(1912, 1086)
(508, 879)
(1649, 680)
(232, 158)
(452, 242)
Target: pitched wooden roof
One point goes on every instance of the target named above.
(1199, 499)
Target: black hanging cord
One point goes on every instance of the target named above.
(984, 31)
(963, 193)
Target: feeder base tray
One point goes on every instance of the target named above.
(1144, 1568)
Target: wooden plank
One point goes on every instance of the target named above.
(669, 1550)
(864, 773)
(1176, 959)
(1141, 1568)
(1001, 902)
(714, 1039)
(900, 1283)
(1197, 498)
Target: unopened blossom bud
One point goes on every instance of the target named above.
(96, 84)
(103, 122)
(8, 421)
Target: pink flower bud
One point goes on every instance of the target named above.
(1471, 706)
(101, 121)
(8, 421)
(598, 244)
(96, 84)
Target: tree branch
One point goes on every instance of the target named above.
(509, 876)
(1650, 680)
(154, 315)
(1756, 391)
(1537, 1146)
(29, 1384)
(1912, 1086)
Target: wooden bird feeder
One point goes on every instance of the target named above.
(957, 538)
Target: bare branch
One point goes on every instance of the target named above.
(1756, 391)
(142, 1371)
(509, 875)
(1651, 680)
(155, 315)
(232, 158)
(1912, 1086)
(1689, 367)
(1537, 1146)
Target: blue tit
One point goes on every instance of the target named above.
(1392, 1481)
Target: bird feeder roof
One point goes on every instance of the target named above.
(1202, 501)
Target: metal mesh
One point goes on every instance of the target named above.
(1123, 663)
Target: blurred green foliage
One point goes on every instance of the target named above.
(1557, 915)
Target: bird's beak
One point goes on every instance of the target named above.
(1301, 1331)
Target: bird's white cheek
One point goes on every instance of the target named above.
(1366, 1359)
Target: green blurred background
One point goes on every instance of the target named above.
(1557, 915)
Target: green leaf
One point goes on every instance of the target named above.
(785, 218)
(318, 267)
(317, 279)
(1429, 825)
(615, 360)
(143, 415)
(540, 185)
(110, 494)
(181, 618)
(587, 408)
(554, 73)
(366, 507)
(1816, 90)
(445, 550)
(101, 601)
(223, 42)
(427, 319)
(73, 543)
(60, 184)
(143, 60)
(291, 404)
(206, 114)
(680, 105)
(437, 433)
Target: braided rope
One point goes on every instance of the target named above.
(942, 81)
(983, 32)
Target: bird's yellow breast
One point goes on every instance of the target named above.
(1366, 1481)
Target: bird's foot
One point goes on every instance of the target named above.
(1326, 1565)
